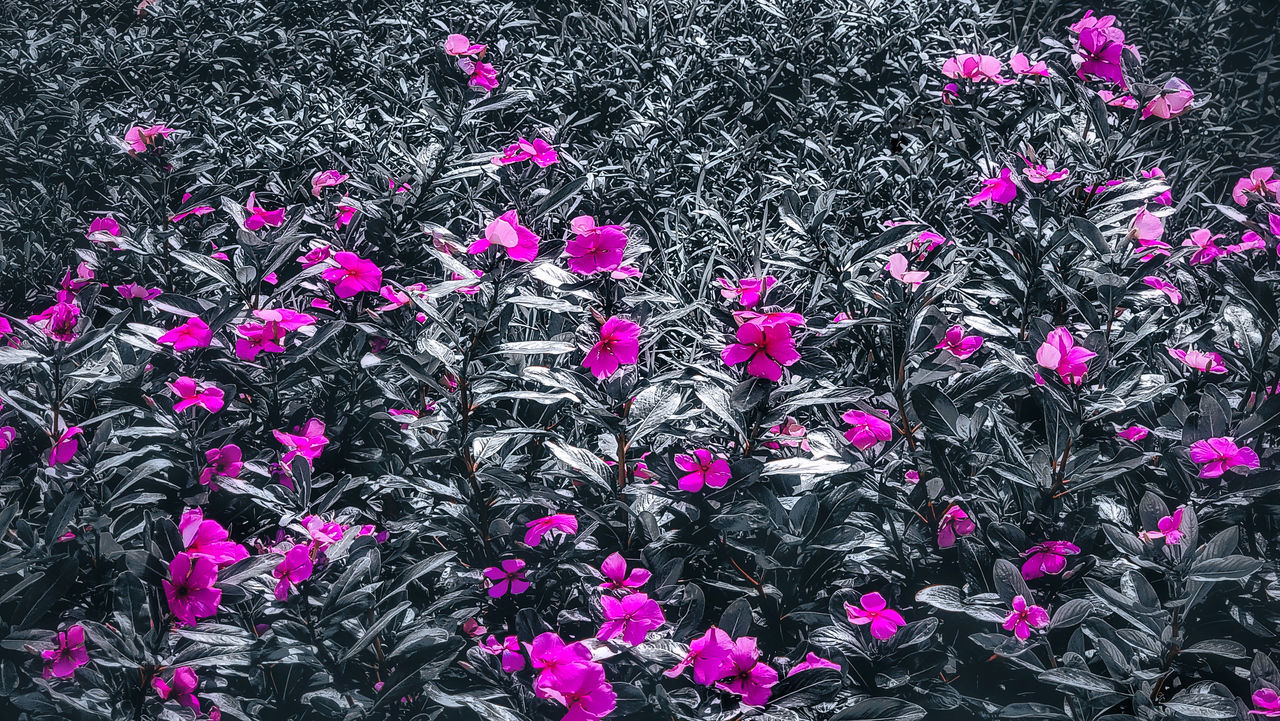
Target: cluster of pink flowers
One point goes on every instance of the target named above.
(470, 58)
(731, 665)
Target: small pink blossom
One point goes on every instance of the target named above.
(1025, 617)
(954, 523)
(1133, 433)
(353, 274)
(748, 677)
(1205, 362)
(207, 538)
(103, 230)
(869, 429)
(709, 657)
(315, 256)
(70, 654)
(897, 267)
(619, 345)
(1000, 189)
(1155, 173)
(614, 569)
(521, 243)
(958, 344)
(59, 320)
(480, 74)
(196, 210)
(1168, 527)
(1174, 100)
(343, 215)
(260, 217)
(1041, 173)
(192, 392)
(562, 524)
(537, 150)
(1020, 65)
(508, 576)
(326, 179)
(133, 291)
(1164, 286)
(1206, 244)
(194, 333)
(633, 616)
(293, 569)
(1216, 456)
(789, 434)
(190, 588)
(1059, 352)
(139, 139)
(1261, 181)
(765, 350)
(884, 621)
(182, 688)
(974, 67)
(702, 468)
(950, 94)
(65, 447)
(1048, 558)
(224, 462)
(1118, 100)
(458, 46)
(926, 242)
(1249, 241)
(308, 443)
(747, 291)
(508, 648)
(595, 248)
(1267, 702)
(810, 662)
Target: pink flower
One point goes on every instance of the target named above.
(315, 256)
(765, 350)
(308, 444)
(1059, 352)
(619, 345)
(594, 248)
(323, 533)
(884, 620)
(70, 654)
(293, 569)
(353, 274)
(1134, 433)
(582, 689)
(1020, 65)
(912, 476)
(1260, 182)
(1025, 617)
(195, 333)
(326, 179)
(1147, 227)
(633, 616)
(1165, 198)
(508, 649)
(977, 68)
(869, 429)
(259, 218)
(958, 344)
(953, 524)
(1205, 362)
(950, 94)
(468, 289)
(565, 524)
(459, 45)
(208, 539)
(1047, 558)
(343, 216)
(1169, 528)
(1267, 701)
(765, 320)
(748, 291)
(701, 468)
(507, 576)
(58, 321)
(1219, 455)
(539, 151)
(139, 138)
(192, 392)
(1118, 101)
(135, 291)
(1164, 286)
(65, 447)
(224, 462)
(747, 676)
(189, 588)
(1000, 189)
(1174, 100)
(614, 570)
(1089, 21)
(550, 654)
(812, 661)
(897, 267)
(1206, 242)
(8, 434)
(1249, 241)
(926, 242)
(197, 210)
(480, 74)
(520, 242)
(102, 230)
(1099, 54)
(1103, 186)
(790, 434)
(1041, 173)
(183, 688)
(709, 657)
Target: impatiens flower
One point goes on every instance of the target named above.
(259, 217)
(508, 648)
(58, 321)
(480, 74)
(1059, 352)
(1134, 433)
(868, 429)
(343, 216)
(1260, 181)
(65, 447)
(1099, 54)
(1041, 173)
(102, 230)
(1249, 241)
(195, 333)
(582, 689)
(789, 434)
(1216, 456)
(1174, 100)
(958, 344)
(197, 210)
(748, 677)
(812, 661)
(189, 588)
(1118, 100)
(1020, 65)
(70, 654)
(293, 569)
(897, 267)
(1267, 701)
(926, 242)
(182, 688)
(139, 138)
(1000, 189)
(1204, 362)
(765, 350)
(619, 345)
(353, 275)
(315, 256)
(207, 538)
(709, 657)
(1206, 242)
(701, 468)
(135, 291)
(953, 524)
(748, 291)
(1155, 173)
(564, 524)
(326, 179)
(633, 616)
(977, 68)
(1164, 286)
(537, 150)
(594, 248)
(875, 611)
(309, 443)
(506, 231)
(1047, 558)
(192, 392)
(224, 462)
(614, 570)
(507, 576)
(458, 45)
(1025, 617)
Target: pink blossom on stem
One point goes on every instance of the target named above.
(789, 434)
(869, 429)
(326, 179)
(207, 538)
(958, 344)
(1209, 362)
(458, 45)
(955, 523)
(538, 150)
(521, 243)
(1261, 181)
(975, 67)
(139, 138)
(702, 468)
(1025, 617)
(1267, 702)
(507, 576)
(1174, 100)
(633, 617)
(1249, 241)
(748, 677)
(133, 291)
(1048, 558)
(1041, 173)
(508, 648)
(708, 656)
(1164, 286)
(897, 267)
(192, 392)
(1000, 189)
(194, 333)
(747, 291)
(1169, 528)
(259, 218)
(1059, 352)
(1133, 433)
(70, 654)
(810, 662)
(1155, 173)
(353, 274)
(619, 345)
(765, 350)
(64, 449)
(309, 442)
(293, 569)
(1020, 65)
(190, 588)
(59, 320)
(1216, 456)
(1206, 244)
(884, 621)
(594, 248)
(103, 230)
(224, 462)
(614, 569)
(562, 524)
(196, 210)
(1118, 100)
(182, 688)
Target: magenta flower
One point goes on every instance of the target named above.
(8, 434)
(508, 648)
(353, 275)
(874, 610)
(958, 344)
(1174, 100)
(1134, 433)
(315, 256)
(1059, 352)
(1047, 558)
(582, 689)
(1164, 286)
(192, 392)
(208, 539)
(323, 533)
(974, 67)
(633, 616)
(1147, 227)
(182, 689)
(1249, 241)
(65, 447)
(549, 653)
(1260, 182)
(134, 291)
(594, 248)
(520, 242)
(458, 46)
(701, 468)
(619, 345)
(1216, 456)
(224, 462)
(614, 570)
(1155, 173)
(748, 291)
(1020, 65)
(926, 242)
(195, 333)
(1041, 173)
(70, 654)
(869, 429)
(709, 657)
(1206, 243)
(507, 576)
(748, 677)
(1267, 701)
(1025, 617)
(102, 230)
(309, 443)
(259, 218)
(1000, 189)
(897, 267)
(564, 524)
(197, 210)
(293, 569)
(812, 661)
(789, 434)
(1204, 362)
(189, 588)
(764, 348)
(955, 523)
(58, 321)
(1118, 100)
(326, 179)
(480, 74)
(539, 151)
(911, 476)
(1099, 54)
(343, 216)
(950, 94)
(139, 138)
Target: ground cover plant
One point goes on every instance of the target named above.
(662, 360)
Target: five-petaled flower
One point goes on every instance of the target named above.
(1216, 456)
(70, 654)
(560, 524)
(507, 577)
(874, 610)
(189, 588)
(614, 569)
(869, 429)
(352, 274)
(702, 468)
(1000, 189)
(1059, 352)
(619, 345)
(954, 523)
(1024, 617)
(766, 349)
(633, 616)
(1047, 558)
(192, 392)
